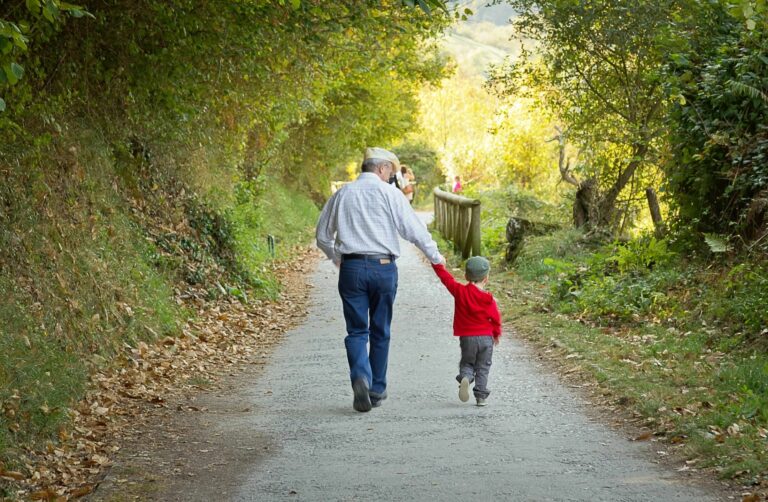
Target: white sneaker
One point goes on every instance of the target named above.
(481, 402)
(464, 390)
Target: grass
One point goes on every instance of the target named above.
(83, 272)
(277, 214)
(76, 281)
(694, 384)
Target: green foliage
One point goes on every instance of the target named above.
(620, 282)
(595, 69)
(547, 257)
(37, 20)
(716, 243)
(641, 255)
(750, 380)
(279, 213)
(717, 176)
(740, 300)
(499, 205)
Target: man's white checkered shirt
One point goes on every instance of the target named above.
(366, 217)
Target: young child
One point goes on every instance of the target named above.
(477, 323)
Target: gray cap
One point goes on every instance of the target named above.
(477, 268)
(379, 153)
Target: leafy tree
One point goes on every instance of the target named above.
(718, 174)
(20, 21)
(596, 67)
(294, 87)
(456, 119)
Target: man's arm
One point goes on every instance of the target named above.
(411, 228)
(325, 233)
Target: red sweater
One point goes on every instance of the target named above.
(475, 311)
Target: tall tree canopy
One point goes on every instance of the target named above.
(287, 85)
(596, 67)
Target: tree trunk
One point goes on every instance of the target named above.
(607, 205)
(585, 204)
(653, 205)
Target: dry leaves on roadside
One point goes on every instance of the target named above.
(225, 333)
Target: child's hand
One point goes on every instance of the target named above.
(496, 340)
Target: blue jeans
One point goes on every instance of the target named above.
(367, 289)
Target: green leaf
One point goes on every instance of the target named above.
(17, 70)
(295, 4)
(33, 6)
(5, 46)
(716, 243)
(424, 6)
(20, 41)
(12, 73)
(51, 11)
(2, 105)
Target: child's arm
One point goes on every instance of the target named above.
(495, 319)
(446, 278)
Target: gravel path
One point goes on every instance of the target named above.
(533, 441)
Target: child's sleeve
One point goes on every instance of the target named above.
(446, 278)
(495, 319)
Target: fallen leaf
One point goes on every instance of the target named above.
(82, 491)
(12, 475)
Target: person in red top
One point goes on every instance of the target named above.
(477, 323)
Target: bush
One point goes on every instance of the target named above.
(740, 301)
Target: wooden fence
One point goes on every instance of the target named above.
(458, 219)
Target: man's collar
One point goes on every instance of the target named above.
(368, 175)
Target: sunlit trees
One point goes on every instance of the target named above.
(598, 67)
(294, 87)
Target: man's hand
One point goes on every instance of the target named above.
(496, 340)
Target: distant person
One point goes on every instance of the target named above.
(456, 185)
(396, 178)
(407, 186)
(359, 230)
(477, 323)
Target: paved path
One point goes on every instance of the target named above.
(532, 442)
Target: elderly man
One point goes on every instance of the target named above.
(358, 230)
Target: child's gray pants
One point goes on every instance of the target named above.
(475, 364)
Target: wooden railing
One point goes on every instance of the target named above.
(458, 219)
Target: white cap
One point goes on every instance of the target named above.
(380, 153)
